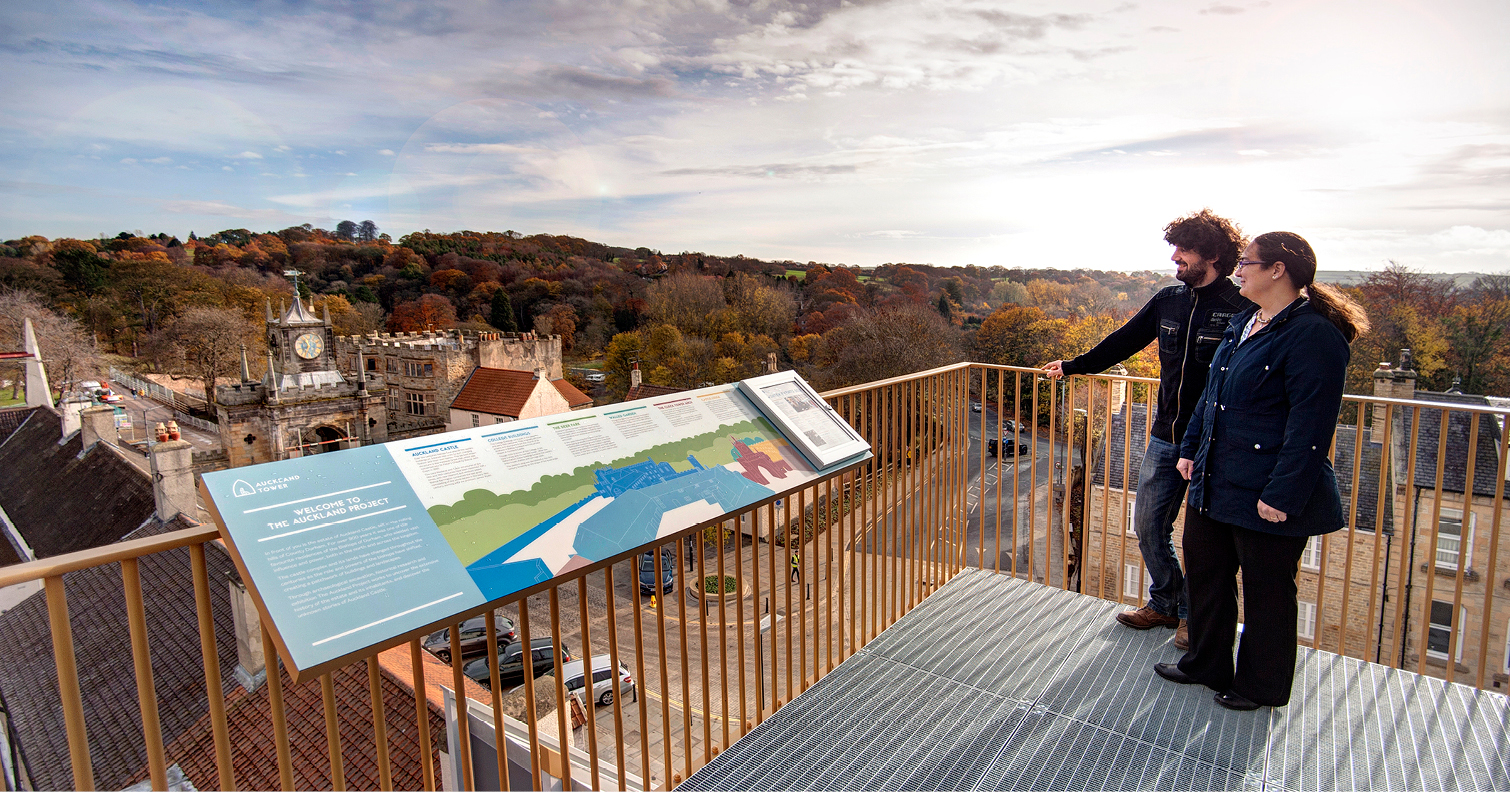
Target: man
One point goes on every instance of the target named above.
(1188, 321)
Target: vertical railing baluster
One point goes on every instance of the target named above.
(379, 725)
(1384, 499)
(563, 707)
(668, 768)
(68, 682)
(495, 688)
(141, 658)
(211, 656)
(621, 762)
(723, 633)
(333, 734)
(642, 697)
(1458, 630)
(421, 722)
(1431, 554)
(537, 755)
(702, 636)
(280, 718)
(463, 730)
(1491, 569)
(589, 692)
(1397, 648)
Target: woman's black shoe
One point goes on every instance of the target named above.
(1235, 701)
(1172, 672)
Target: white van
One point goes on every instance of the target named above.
(602, 684)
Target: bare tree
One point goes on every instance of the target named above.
(203, 343)
(686, 301)
(67, 349)
(886, 342)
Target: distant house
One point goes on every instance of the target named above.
(639, 389)
(492, 396)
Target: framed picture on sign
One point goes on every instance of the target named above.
(814, 427)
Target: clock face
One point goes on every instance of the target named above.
(308, 346)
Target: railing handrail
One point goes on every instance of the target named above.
(53, 566)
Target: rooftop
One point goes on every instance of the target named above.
(998, 683)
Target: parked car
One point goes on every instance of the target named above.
(90, 386)
(1009, 449)
(474, 637)
(975, 406)
(647, 571)
(104, 395)
(542, 654)
(602, 680)
(595, 376)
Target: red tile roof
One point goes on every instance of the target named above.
(574, 397)
(504, 392)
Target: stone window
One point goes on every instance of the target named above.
(372, 364)
(1439, 633)
(392, 365)
(1130, 587)
(419, 404)
(414, 368)
(1305, 620)
(1310, 558)
(1450, 547)
(1132, 511)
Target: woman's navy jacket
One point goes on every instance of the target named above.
(1265, 422)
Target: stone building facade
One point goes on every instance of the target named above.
(423, 372)
(303, 404)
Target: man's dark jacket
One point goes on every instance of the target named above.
(1188, 324)
(1264, 425)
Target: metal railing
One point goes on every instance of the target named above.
(822, 571)
(180, 403)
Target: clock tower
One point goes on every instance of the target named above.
(302, 405)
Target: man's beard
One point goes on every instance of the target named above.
(1191, 274)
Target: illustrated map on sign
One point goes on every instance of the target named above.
(581, 489)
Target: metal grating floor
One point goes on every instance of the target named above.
(997, 683)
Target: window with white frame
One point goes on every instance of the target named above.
(1453, 543)
(1439, 633)
(476, 419)
(1132, 515)
(1310, 558)
(1130, 587)
(1305, 620)
(419, 404)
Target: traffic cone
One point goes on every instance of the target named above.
(652, 601)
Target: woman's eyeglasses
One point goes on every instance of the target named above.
(1244, 262)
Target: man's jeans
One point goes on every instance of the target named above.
(1161, 490)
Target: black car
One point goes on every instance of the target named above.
(511, 663)
(474, 637)
(1009, 449)
(647, 571)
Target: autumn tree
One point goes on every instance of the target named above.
(82, 268)
(429, 312)
(686, 301)
(203, 343)
(885, 342)
(502, 313)
(558, 319)
(67, 350)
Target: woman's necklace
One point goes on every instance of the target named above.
(1258, 316)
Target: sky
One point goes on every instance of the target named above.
(988, 132)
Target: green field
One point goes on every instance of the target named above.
(482, 521)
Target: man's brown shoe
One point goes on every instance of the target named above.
(1146, 618)
(1182, 636)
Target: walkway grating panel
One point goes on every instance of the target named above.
(996, 683)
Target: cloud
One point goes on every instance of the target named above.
(1224, 10)
(775, 170)
(160, 160)
(386, 152)
(247, 155)
(573, 83)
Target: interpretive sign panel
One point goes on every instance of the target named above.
(348, 549)
(823, 436)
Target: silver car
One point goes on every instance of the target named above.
(602, 680)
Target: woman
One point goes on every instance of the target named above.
(1261, 485)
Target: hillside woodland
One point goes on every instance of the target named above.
(184, 307)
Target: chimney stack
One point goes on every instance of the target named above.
(1391, 382)
(71, 408)
(97, 423)
(172, 475)
(251, 664)
(542, 373)
(634, 375)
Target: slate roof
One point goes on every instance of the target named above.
(107, 679)
(1486, 452)
(1368, 475)
(11, 419)
(1118, 445)
(647, 391)
(254, 749)
(60, 502)
(505, 391)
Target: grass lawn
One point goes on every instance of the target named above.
(796, 273)
(7, 401)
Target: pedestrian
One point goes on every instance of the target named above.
(1187, 320)
(796, 567)
(1261, 484)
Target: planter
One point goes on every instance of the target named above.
(711, 600)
